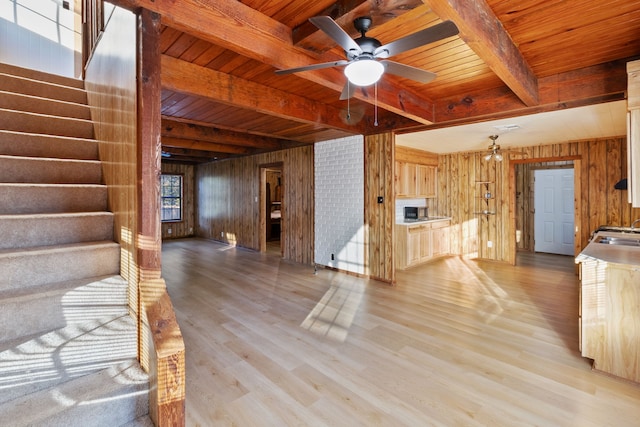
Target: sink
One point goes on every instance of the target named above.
(622, 241)
(618, 229)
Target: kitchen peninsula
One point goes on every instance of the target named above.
(609, 316)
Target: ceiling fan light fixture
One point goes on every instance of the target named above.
(364, 72)
(494, 150)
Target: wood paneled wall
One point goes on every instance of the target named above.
(599, 165)
(228, 201)
(186, 227)
(459, 196)
(379, 160)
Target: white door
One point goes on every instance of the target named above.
(553, 203)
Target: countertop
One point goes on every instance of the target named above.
(424, 221)
(619, 254)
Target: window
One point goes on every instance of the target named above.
(171, 197)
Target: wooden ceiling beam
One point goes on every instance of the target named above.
(483, 32)
(185, 77)
(191, 160)
(182, 153)
(590, 85)
(344, 12)
(306, 34)
(193, 144)
(235, 26)
(188, 131)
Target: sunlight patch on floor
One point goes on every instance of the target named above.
(489, 296)
(333, 315)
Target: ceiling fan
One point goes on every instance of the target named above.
(366, 56)
(494, 150)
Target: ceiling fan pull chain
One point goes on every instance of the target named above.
(375, 104)
(348, 102)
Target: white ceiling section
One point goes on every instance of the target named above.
(575, 124)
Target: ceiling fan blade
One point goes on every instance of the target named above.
(347, 91)
(313, 67)
(335, 31)
(428, 35)
(408, 72)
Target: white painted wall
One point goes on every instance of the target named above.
(339, 204)
(38, 34)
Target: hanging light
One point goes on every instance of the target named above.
(494, 150)
(364, 72)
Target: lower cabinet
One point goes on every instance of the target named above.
(419, 243)
(440, 238)
(609, 321)
(414, 244)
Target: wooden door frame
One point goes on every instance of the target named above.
(262, 223)
(577, 200)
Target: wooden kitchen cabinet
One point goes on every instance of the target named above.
(633, 133)
(609, 320)
(425, 244)
(405, 177)
(426, 181)
(414, 180)
(414, 243)
(440, 238)
(421, 242)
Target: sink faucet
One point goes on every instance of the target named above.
(633, 224)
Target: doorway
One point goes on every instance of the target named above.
(271, 208)
(554, 211)
(522, 200)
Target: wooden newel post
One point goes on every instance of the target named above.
(149, 147)
(161, 347)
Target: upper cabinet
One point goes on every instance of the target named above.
(415, 180)
(416, 173)
(405, 179)
(427, 180)
(633, 133)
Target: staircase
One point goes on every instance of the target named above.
(68, 345)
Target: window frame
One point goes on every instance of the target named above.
(180, 198)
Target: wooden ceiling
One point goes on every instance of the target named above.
(221, 97)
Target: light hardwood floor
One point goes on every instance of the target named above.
(456, 343)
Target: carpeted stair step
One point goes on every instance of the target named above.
(49, 171)
(55, 306)
(144, 421)
(20, 121)
(37, 145)
(28, 73)
(111, 397)
(69, 347)
(42, 89)
(36, 104)
(40, 266)
(23, 231)
(51, 198)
